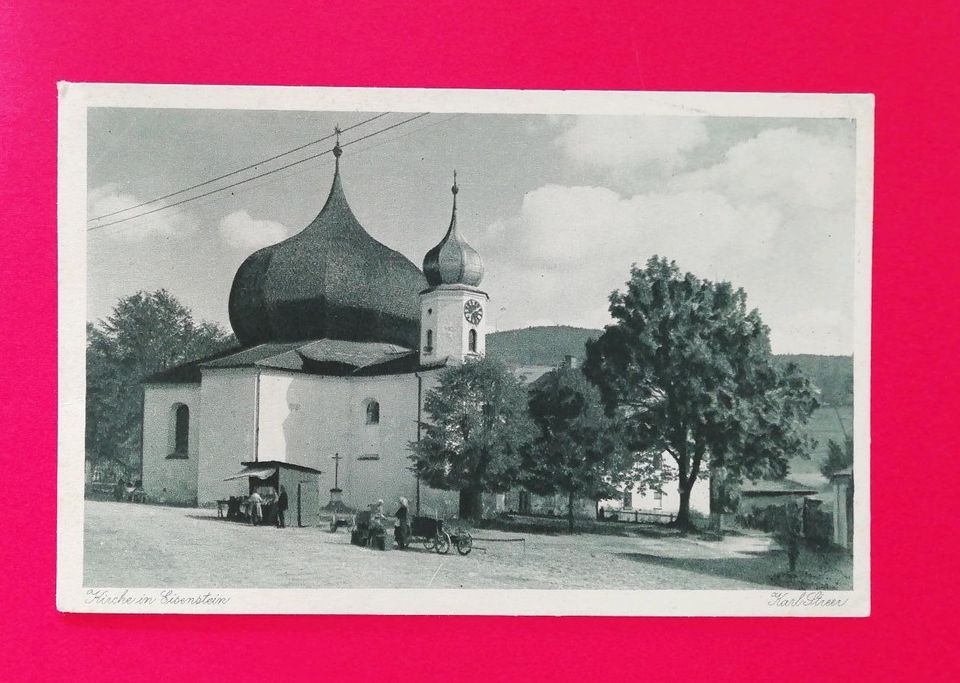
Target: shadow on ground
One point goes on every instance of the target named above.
(756, 568)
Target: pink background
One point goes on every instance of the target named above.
(907, 55)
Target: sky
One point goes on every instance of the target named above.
(559, 207)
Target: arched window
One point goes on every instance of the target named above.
(429, 346)
(181, 430)
(472, 341)
(373, 412)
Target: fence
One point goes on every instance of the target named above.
(640, 516)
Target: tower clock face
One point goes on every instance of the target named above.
(473, 311)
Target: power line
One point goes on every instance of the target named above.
(233, 173)
(252, 178)
(285, 177)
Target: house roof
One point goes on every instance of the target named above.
(774, 487)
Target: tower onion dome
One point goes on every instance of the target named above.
(332, 280)
(453, 261)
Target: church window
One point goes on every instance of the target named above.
(429, 346)
(628, 499)
(373, 412)
(180, 436)
(472, 341)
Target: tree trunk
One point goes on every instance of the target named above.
(683, 514)
(570, 510)
(471, 503)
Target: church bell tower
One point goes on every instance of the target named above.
(453, 310)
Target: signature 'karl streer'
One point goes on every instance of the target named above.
(804, 599)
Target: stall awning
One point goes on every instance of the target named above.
(256, 473)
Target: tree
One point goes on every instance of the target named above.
(579, 451)
(145, 333)
(839, 457)
(690, 370)
(479, 427)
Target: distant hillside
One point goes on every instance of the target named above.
(833, 375)
(539, 345)
(549, 345)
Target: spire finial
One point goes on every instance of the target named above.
(337, 151)
(454, 190)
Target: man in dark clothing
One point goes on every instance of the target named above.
(402, 531)
(282, 509)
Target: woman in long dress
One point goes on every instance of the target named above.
(402, 531)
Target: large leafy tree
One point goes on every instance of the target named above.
(689, 368)
(478, 427)
(839, 456)
(579, 450)
(144, 334)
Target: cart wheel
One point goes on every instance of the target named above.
(464, 542)
(428, 543)
(441, 543)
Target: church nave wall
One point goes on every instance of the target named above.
(170, 476)
(228, 399)
(306, 420)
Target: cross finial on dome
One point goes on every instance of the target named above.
(337, 151)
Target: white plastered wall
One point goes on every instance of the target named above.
(306, 419)
(227, 432)
(441, 311)
(168, 477)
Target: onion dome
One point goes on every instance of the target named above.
(453, 261)
(332, 280)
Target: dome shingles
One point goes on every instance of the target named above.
(332, 280)
(453, 261)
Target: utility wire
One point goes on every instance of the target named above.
(297, 172)
(233, 173)
(259, 175)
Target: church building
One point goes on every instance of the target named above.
(341, 338)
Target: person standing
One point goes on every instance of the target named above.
(402, 530)
(282, 509)
(255, 508)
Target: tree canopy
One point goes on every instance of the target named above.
(478, 427)
(144, 334)
(839, 457)
(579, 450)
(689, 369)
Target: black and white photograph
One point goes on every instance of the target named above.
(474, 352)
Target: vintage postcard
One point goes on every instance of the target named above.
(463, 352)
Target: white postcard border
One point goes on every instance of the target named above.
(73, 596)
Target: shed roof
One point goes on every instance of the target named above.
(775, 486)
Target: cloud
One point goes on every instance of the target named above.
(827, 329)
(783, 165)
(632, 141)
(572, 246)
(240, 230)
(108, 199)
(774, 215)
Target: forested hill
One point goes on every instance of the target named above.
(549, 345)
(539, 345)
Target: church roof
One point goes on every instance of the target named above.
(332, 280)
(453, 261)
(320, 357)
